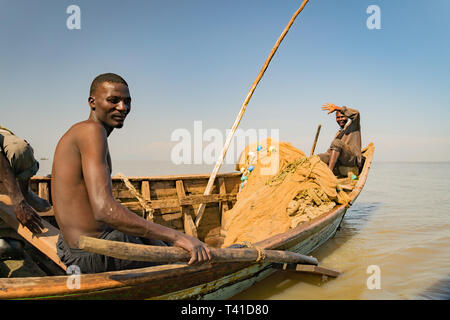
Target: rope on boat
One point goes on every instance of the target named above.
(290, 168)
(261, 252)
(147, 210)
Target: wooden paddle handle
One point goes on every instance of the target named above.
(140, 252)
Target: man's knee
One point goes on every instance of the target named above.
(324, 157)
(20, 156)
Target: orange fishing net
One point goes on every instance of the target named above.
(281, 188)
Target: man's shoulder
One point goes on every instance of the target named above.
(87, 125)
(82, 133)
(86, 128)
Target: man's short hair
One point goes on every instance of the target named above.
(106, 77)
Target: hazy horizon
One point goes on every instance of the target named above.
(195, 61)
(163, 168)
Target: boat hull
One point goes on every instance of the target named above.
(180, 281)
(241, 280)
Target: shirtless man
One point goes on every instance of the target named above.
(345, 149)
(81, 188)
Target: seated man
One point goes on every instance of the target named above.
(345, 149)
(82, 192)
(17, 166)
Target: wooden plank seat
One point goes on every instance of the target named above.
(45, 242)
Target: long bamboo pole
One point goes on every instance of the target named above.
(209, 186)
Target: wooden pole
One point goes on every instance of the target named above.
(315, 140)
(140, 252)
(209, 186)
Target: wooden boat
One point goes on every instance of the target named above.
(175, 199)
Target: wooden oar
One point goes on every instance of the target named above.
(315, 140)
(139, 252)
(209, 186)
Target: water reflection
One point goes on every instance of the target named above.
(438, 291)
(354, 221)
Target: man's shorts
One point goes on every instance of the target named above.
(90, 262)
(19, 154)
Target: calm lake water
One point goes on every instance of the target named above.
(400, 223)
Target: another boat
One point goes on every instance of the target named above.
(175, 200)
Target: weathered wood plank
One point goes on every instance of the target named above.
(43, 191)
(180, 190)
(223, 205)
(197, 199)
(45, 242)
(145, 190)
(189, 226)
(167, 189)
(188, 200)
(179, 177)
(156, 178)
(313, 269)
(196, 186)
(171, 216)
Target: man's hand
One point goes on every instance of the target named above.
(330, 107)
(28, 217)
(199, 251)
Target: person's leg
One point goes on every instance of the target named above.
(87, 262)
(334, 156)
(114, 264)
(90, 262)
(325, 157)
(336, 149)
(21, 158)
(342, 155)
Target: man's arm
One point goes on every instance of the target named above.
(94, 149)
(23, 211)
(352, 114)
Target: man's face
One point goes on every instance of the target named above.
(341, 119)
(112, 103)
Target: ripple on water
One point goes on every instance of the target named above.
(400, 222)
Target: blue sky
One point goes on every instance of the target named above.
(196, 60)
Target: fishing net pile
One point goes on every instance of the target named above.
(280, 189)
